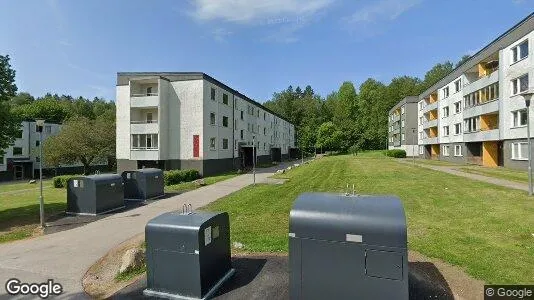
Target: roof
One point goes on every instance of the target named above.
(409, 99)
(519, 30)
(184, 76)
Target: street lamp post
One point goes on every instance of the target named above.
(40, 125)
(528, 96)
(254, 160)
(413, 145)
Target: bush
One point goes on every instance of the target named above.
(354, 149)
(62, 181)
(397, 153)
(178, 176)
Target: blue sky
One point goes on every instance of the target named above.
(257, 47)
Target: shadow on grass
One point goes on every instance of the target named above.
(427, 282)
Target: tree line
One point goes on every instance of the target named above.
(350, 118)
(88, 126)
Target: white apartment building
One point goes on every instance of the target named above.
(21, 160)
(476, 113)
(182, 120)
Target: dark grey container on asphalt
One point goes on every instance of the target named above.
(95, 194)
(143, 184)
(187, 254)
(348, 247)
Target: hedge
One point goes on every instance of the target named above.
(397, 153)
(62, 180)
(178, 176)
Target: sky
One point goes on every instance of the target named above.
(257, 47)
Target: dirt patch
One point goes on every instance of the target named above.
(99, 281)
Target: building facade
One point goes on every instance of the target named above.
(181, 120)
(476, 113)
(402, 122)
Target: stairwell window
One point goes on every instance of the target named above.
(225, 121)
(457, 128)
(458, 107)
(225, 143)
(241, 134)
(445, 130)
(520, 84)
(17, 150)
(212, 95)
(212, 143)
(445, 111)
(458, 85)
(212, 118)
(519, 118)
(446, 150)
(519, 151)
(446, 92)
(520, 51)
(225, 99)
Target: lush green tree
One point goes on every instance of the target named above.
(9, 122)
(329, 137)
(437, 72)
(373, 112)
(81, 140)
(22, 99)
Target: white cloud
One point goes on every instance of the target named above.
(382, 10)
(254, 11)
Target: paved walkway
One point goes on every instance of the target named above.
(452, 170)
(65, 256)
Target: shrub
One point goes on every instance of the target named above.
(397, 153)
(62, 180)
(178, 176)
(354, 149)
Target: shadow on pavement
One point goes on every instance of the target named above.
(267, 277)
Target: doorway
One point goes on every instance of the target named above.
(18, 172)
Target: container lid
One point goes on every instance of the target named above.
(373, 220)
(102, 177)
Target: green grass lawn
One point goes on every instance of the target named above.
(485, 229)
(19, 204)
(503, 173)
(434, 162)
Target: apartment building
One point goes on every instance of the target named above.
(476, 113)
(181, 120)
(402, 126)
(21, 160)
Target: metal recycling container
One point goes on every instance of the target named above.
(95, 194)
(187, 254)
(348, 247)
(143, 184)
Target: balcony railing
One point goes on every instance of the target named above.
(482, 108)
(144, 95)
(145, 148)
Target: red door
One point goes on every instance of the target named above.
(196, 146)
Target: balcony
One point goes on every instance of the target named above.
(430, 106)
(481, 82)
(482, 135)
(144, 153)
(144, 100)
(431, 123)
(482, 109)
(430, 140)
(144, 127)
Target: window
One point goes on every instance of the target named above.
(149, 91)
(458, 107)
(264, 146)
(241, 115)
(248, 127)
(445, 112)
(457, 128)
(48, 129)
(1, 160)
(458, 85)
(520, 52)
(144, 141)
(264, 116)
(241, 132)
(421, 120)
(235, 124)
(519, 151)
(212, 96)
(212, 143)
(519, 118)
(421, 150)
(402, 137)
(446, 92)
(457, 150)
(402, 110)
(225, 99)
(446, 149)
(445, 130)
(421, 105)
(225, 121)
(37, 143)
(212, 118)
(520, 84)
(264, 131)
(225, 143)
(402, 123)
(472, 124)
(235, 144)
(17, 150)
